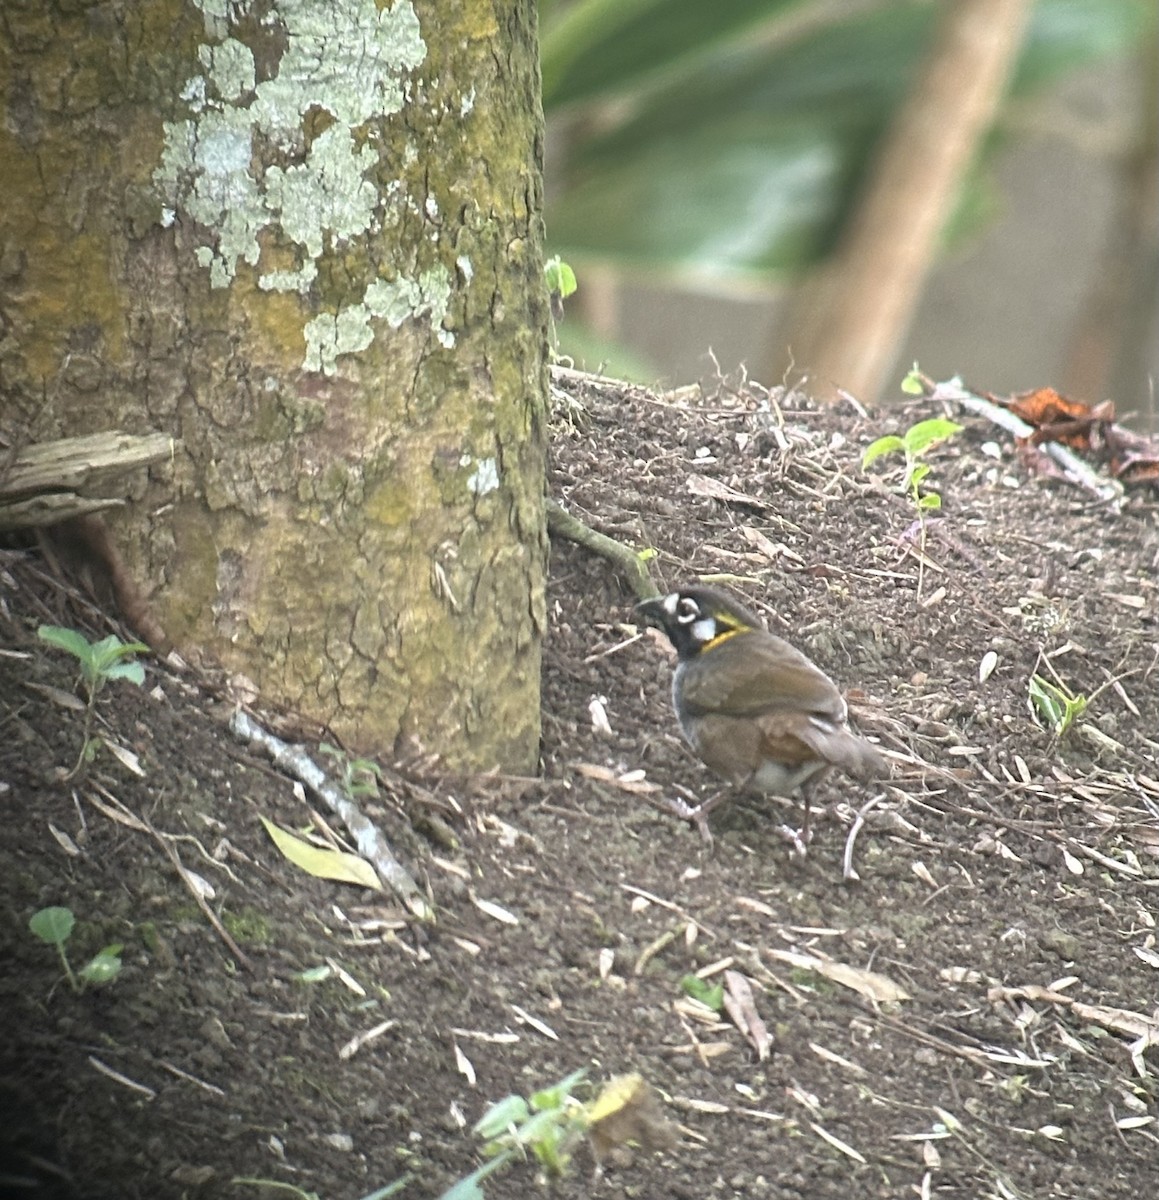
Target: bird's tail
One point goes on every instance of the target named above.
(847, 751)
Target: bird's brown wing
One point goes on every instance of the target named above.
(752, 674)
(762, 699)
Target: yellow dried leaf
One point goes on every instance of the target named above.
(323, 863)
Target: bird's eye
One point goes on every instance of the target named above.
(687, 611)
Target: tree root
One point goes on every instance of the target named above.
(630, 564)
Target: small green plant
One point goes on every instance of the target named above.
(100, 662)
(711, 995)
(360, 776)
(54, 926)
(914, 443)
(548, 1124)
(912, 384)
(560, 280)
(1055, 706)
(561, 283)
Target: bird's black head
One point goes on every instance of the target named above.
(698, 618)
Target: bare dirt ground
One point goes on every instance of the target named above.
(1008, 879)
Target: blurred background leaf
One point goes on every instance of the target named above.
(732, 137)
(727, 143)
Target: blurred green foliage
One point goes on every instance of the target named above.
(728, 139)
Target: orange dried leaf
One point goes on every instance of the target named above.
(1057, 418)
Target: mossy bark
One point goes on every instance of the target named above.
(328, 286)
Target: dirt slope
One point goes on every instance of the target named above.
(998, 862)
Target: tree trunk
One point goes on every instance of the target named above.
(305, 240)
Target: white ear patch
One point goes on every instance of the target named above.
(703, 630)
(686, 610)
(668, 604)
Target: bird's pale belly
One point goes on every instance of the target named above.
(781, 780)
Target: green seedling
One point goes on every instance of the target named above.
(561, 284)
(54, 926)
(560, 279)
(912, 384)
(914, 443)
(708, 994)
(100, 662)
(547, 1125)
(1055, 706)
(360, 776)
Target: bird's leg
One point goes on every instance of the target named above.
(800, 838)
(696, 814)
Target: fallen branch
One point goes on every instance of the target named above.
(367, 838)
(119, 812)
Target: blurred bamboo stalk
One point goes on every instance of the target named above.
(1108, 348)
(847, 324)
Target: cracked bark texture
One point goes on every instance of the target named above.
(361, 534)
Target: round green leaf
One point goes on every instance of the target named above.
(52, 925)
(65, 639)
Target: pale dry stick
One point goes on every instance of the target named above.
(932, 1040)
(654, 948)
(1102, 859)
(668, 904)
(195, 892)
(695, 1042)
(847, 870)
(212, 1088)
(591, 658)
(143, 1088)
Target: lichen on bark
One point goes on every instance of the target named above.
(357, 527)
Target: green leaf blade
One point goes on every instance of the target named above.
(511, 1110)
(920, 437)
(134, 672)
(560, 277)
(882, 446)
(911, 385)
(104, 967)
(710, 995)
(1048, 703)
(65, 639)
(556, 1096)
